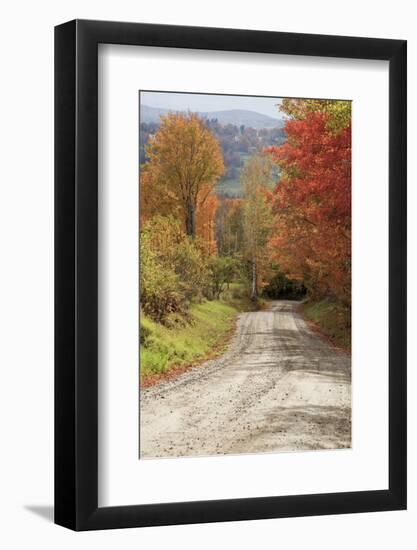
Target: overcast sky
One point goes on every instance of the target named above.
(207, 102)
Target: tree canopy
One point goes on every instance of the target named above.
(185, 162)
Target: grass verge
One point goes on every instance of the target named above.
(166, 349)
(332, 319)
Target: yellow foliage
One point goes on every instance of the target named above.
(185, 163)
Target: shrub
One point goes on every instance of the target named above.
(159, 285)
(222, 271)
(173, 271)
(144, 333)
(282, 287)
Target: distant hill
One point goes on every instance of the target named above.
(238, 117)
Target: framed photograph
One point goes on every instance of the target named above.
(230, 254)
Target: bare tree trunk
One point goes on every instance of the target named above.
(254, 291)
(190, 219)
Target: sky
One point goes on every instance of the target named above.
(211, 102)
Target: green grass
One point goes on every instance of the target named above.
(163, 348)
(333, 319)
(232, 186)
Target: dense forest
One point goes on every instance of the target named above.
(233, 216)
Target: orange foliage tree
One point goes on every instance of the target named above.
(312, 201)
(154, 199)
(205, 222)
(185, 163)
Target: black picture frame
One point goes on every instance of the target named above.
(76, 272)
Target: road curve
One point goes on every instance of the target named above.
(279, 387)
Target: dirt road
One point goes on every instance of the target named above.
(279, 387)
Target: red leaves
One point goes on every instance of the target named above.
(312, 203)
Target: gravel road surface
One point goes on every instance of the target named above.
(279, 387)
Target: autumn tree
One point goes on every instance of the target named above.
(222, 270)
(312, 201)
(257, 215)
(338, 113)
(155, 200)
(178, 252)
(159, 284)
(185, 163)
(205, 222)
